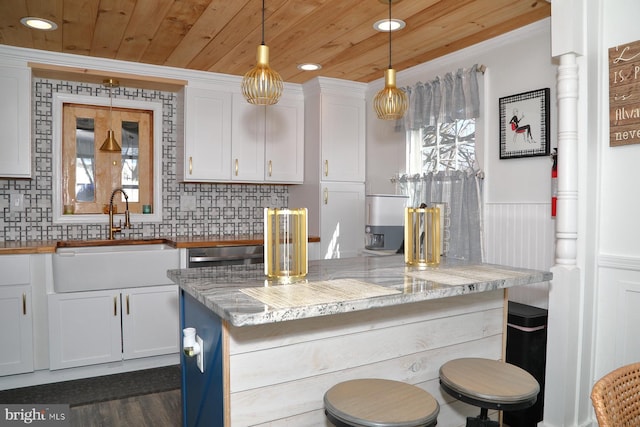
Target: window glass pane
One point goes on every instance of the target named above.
(85, 160)
(446, 146)
(130, 153)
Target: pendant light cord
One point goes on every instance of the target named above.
(263, 22)
(110, 110)
(389, 33)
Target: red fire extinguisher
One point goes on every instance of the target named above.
(554, 182)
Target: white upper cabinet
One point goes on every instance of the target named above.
(335, 130)
(226, 139)
(247, 151)
(15, 122)
(342, 135)
(284, 141)
(206, 147)
(268, 141)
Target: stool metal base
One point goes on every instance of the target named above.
(482, 420)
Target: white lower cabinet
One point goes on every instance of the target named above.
(341, 220)
(87, 328)
(16, 330)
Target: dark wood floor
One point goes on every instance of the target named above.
(153, 410)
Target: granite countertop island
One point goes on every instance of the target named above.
(272, 349)
(244, 296)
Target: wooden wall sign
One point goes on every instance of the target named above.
(624, 94)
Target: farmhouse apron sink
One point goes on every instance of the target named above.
(112, 266)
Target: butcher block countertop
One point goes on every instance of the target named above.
(243, 296)
(46, 247)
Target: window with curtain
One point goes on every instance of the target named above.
(441, 164)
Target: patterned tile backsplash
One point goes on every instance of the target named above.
(190, 209)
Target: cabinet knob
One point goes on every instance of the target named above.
(190, 165)
(127, 304)
(270, 167)
(236, 167)
(115, 306)
(326, 168)
(326, 196)
(24, 303)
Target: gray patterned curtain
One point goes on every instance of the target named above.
(442, 100)
(461, 194)
(445, 99)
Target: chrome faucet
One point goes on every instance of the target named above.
(127, 221)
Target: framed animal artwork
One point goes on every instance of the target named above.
(524, 124)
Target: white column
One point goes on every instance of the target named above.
(567, 217)
(564, 356)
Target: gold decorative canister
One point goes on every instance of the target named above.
(285, 243)
(422, 236)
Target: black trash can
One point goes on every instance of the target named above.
(527, 348)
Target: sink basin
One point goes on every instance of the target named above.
(112, 266)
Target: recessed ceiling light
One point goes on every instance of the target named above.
(38, 23)
(384, 25)
(309, 67)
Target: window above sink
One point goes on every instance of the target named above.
(69, 157)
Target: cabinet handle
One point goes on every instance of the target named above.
(326, 168)
(190, 165)
(24, 303)
(326, 196)
(270, 167)
(115, 306)
(127, 304)
(236, 167)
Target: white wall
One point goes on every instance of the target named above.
(619, 204)
(518, 227)
(617, 284)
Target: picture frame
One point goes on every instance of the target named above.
(524, 124)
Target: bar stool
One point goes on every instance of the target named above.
(379, 403)
(488, 384)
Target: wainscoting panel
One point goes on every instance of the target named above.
(521, 235)
(618, 299)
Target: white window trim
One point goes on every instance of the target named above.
(59, 99)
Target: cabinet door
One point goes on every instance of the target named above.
(150, 321)
(284, 142)
(84, 328)
(207, 133)
(247, 148)
(15, 122)
(341, 220)
(342, 138)
(16, 330)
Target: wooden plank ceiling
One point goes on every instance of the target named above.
(222, 35)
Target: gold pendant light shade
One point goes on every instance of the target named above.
(390, 103)
(110, 143)
(262, 85)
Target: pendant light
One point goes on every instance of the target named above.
(262, 85)
(110, 143)
(390, 103)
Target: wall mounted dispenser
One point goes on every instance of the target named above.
(192, 346)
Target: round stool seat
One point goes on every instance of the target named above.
(380, 403)
(489, 383)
